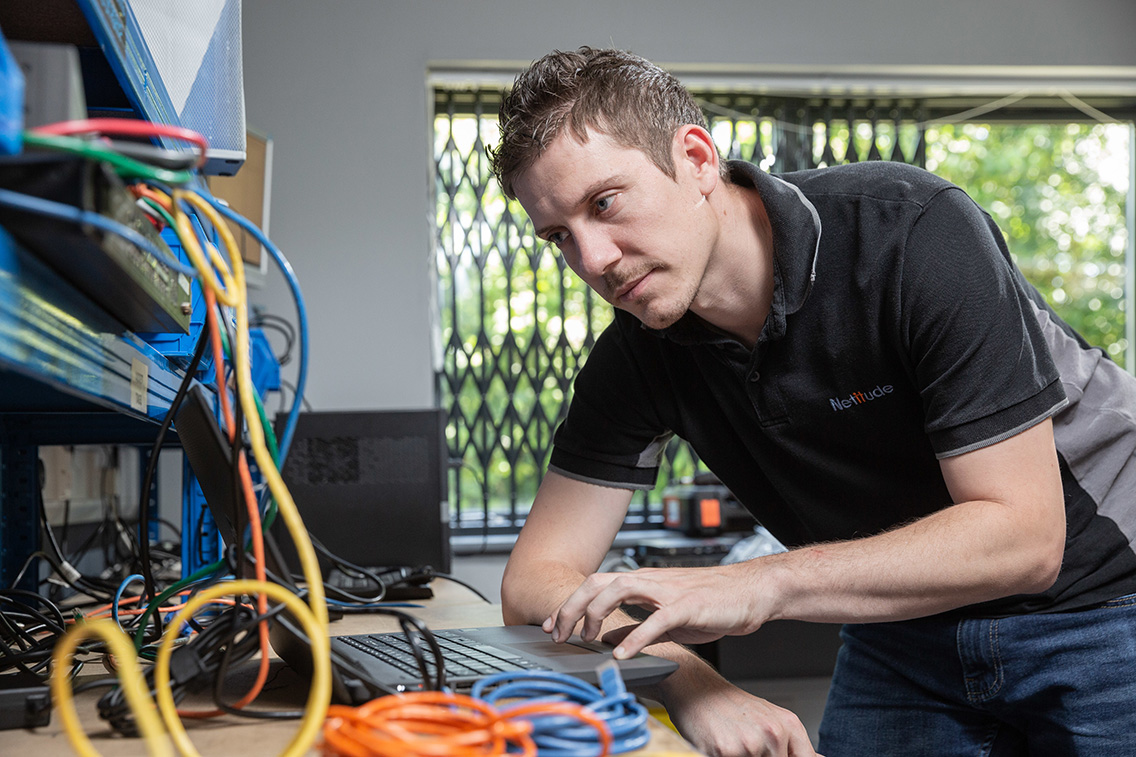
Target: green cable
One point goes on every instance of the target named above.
(173, 589)
(122, 164)
(157, 206)
(269, 434)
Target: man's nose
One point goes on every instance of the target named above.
(597, 252)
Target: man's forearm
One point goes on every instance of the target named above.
(965, 554)
(530, 592)
(1006, 536)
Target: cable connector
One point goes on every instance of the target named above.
(67, 570)
(611, 680)
(185, 666)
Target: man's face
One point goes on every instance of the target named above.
(637, 237)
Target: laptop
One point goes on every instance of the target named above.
(365, 666)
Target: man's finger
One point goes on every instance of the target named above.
(572, 610)
(653, 629)
(616, 636)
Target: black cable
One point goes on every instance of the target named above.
(151, 468)
(236, 437)
(41, 474)
(172, 526)
(283, 328)
(192, 665)
(18, 635)
(292, 388)
(174, 160)
(82, 584)
(341, 563)
(448, 577)
(66, 520)
(411, 627)
(11, 595)
(123, 535)
(262, 318)
(81, 551)
(249, 642)
(24, 568)
(25, 626)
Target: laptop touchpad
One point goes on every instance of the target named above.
(544, 649)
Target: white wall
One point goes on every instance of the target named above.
(341, 88)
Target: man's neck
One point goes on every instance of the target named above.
(737, 290)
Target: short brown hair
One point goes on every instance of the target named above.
(614, 92)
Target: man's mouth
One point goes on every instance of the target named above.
(630, 289)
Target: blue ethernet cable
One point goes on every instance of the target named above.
(119, 592)
(285, 439)
(78, 216)
(562, 736)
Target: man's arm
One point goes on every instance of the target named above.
(566, 535)
(1005, 536)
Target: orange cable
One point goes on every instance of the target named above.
(141, 190)
(250, 503)
(433, 724)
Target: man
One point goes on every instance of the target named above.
(853, 353)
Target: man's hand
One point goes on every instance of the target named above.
(721, 720)
(687, 605)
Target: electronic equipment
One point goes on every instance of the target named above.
(368, 494)
(128, 282)
(371, 486)
(703, 507)
(25, 702)
(682, 551)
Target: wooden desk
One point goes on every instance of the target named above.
(452, 607)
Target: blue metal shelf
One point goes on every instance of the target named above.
(53, 334)
(69, 373)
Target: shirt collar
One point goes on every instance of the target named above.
(796, 242)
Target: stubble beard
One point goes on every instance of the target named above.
(665, 309)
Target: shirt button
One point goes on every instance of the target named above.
(755, 376)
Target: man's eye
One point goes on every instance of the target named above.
(604, 203)
(557, 237)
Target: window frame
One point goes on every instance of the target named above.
(791, 102)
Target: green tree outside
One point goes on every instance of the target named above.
(1058, 193)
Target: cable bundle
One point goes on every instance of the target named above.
(622, 715)
(171, 196)
(430, 724)
(223, 283)
(27, 634)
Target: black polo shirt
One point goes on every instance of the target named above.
(900, 333)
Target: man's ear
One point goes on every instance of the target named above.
(695, 153)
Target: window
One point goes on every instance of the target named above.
(516, 324)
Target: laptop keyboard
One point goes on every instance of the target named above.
(463, 657)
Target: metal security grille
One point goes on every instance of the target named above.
(516, 325)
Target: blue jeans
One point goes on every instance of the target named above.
(1059, 684)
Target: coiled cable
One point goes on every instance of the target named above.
(555, 736)
(432, 723)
